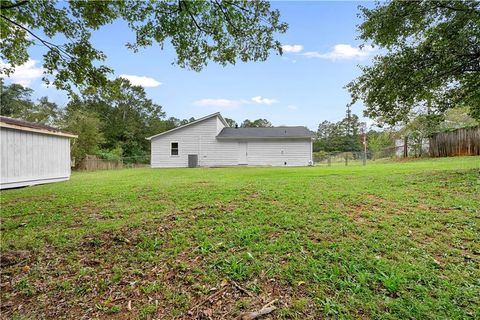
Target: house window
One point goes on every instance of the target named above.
(174, 149)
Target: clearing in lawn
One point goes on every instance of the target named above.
(391, 240)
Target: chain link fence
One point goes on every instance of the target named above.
(360, 158)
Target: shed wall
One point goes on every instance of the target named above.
(29, 158)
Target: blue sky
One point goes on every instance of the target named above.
(302, 87)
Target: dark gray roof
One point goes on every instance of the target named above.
(265, 133)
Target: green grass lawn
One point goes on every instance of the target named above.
(389, 240)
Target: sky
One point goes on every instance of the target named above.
(305, 86)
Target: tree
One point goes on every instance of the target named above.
(16, 102)
(418, 130)
(432, 59)
(14, 99)
(173, 122)
(127, 116)
(232, 123)
(86, 125)
(458, 118)
(259, 123)
(340, 136)
(200, 31)
(44, 111)
(379, 141)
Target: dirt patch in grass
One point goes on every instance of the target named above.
(437, 209)
(370, 210)
(31, 199)
(210, 210)
(203, 183)
(126, 274)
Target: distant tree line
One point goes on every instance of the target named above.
(339, 136)
(259, 123)
(347, 135)
(111, 122)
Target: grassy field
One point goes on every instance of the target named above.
(390, 240)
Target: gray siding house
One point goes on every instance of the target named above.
(210, 142)
(32, 153)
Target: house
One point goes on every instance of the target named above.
(32, 153)
(210, 142)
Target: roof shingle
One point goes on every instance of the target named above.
(269, 133)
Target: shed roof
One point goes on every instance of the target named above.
(265, 133)
(18, 124)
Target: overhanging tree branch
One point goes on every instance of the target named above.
(46, 43)
(442, 5)
(227, 17)
(187, 9)
(62, 53)
(13, 5)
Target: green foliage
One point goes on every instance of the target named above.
(319, 156)
(232, 123)
(235, 268)
(458, 118)
(341, 136)
(380, 140)
(113, 154)
(87, 125)
(111, 122)
(151, 287)
(200, 31)
(147, 310)
(16, 102)
(419, 129)
(25, 287)
(126, 116)
(14, 99)
(259, 123)
(432, 58)
(173, 122)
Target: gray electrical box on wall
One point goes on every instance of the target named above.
(192, 160)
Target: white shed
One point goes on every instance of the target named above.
(210, 142)
(32, 153)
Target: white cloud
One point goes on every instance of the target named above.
(261, 100)
(219, 103)
(342, 52)
(226, 104)
(292, 107)
(295, 48)
(25, 73)
(143, 81)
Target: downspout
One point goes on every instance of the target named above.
(199, 150)
(311, 151)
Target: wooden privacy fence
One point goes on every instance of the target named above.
(461, 142)
(94, 163)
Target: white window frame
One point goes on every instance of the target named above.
(171, 149)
